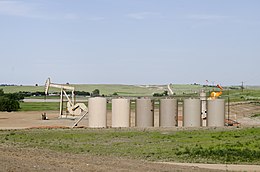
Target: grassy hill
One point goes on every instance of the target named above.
(234, 93)
(108, 89)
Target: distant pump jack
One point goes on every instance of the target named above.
(170, 89)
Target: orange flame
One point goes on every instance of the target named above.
(214, 94)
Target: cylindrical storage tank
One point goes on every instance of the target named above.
(144, 113)
(120, 112)
(168, 113)
(192, 113)
(97, 112)
(216, 113)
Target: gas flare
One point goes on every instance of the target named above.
(214, 95)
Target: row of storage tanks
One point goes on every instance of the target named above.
(144, 112)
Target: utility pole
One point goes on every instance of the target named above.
(242, 86)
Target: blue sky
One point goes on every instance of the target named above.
(130, 41)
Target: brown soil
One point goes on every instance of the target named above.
(242, 112)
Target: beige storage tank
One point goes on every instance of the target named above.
(120, 112)
(192, 113)
(168, 112)
(216, 113)
(144, 113)
(97, 115)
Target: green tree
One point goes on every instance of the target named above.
(95, 92)
(115, 94)
(15, 96)
(1, 92)
(7, 104)
(165, 93)
(10, 102)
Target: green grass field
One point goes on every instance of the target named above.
(109, 89)
(39, 106)
(234, 145)
(106, 89)
(16, 89)
(182, 92)
(142, 90)
(51, 106)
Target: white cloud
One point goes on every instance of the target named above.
(22, 9)
(36, 11)
(208, 17)
(96, 18)
(32, 10)
(71, 16)
(14, 8)
(143, 15)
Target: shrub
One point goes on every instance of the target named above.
(14, 96)
(95, 93)
(82, 93)
(8, 104)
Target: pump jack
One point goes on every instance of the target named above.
(72, 108)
